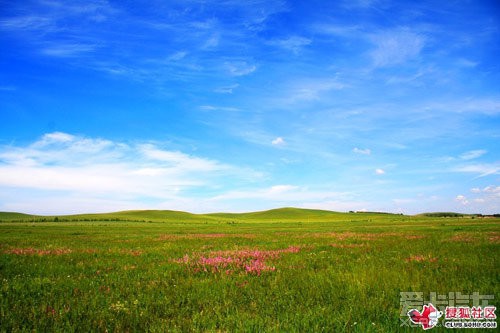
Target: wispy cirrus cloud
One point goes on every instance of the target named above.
(473, 154)
(95, 10)
(365, 151)
(364, 4)
(480, 105)
(48, 17)
(489, 106)
(177, 56)
(58, 28)
(227, 89)
(396, 46)
(295, 44)
(68, 50)
(29, 23)
(309, 89)
(481, 170)
(219, 108)
(338, 30)
(298, 195)
(240, 67)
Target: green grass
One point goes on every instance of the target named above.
(320, 270)
(10, 216)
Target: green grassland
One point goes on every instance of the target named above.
(284, 270)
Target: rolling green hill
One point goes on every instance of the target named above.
(137, 215)
(287, 214)
(131, 215)
(6, 216)
(280, 214)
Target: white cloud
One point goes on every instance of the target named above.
(310, 89)
(280, 189)
(342, 205)
(379, 171)
(481, 200)
(364, 4)
(485, 105)
(467, 63)
(489, 191)
(180, 160)
(177, 56)
(288, 194)
(279, 141)
(63, 165)
(462, 199)
(29, 22)
(218, 108)
(52, 16)
(54, 138)
(294, 43)
(482, 170)
(338, 30)
(485, 199)
(211, 42)
(68, 50)
(240, 68)
(227, 89)
(473, 154)
(401, 201)
(397, 46)
(362, 151)
(492, 189)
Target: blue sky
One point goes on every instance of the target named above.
(228, 105)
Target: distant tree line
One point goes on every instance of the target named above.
(63, 219)
(449, 214)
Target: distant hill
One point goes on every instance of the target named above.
(443, 214)
(452, 214)
(14, 216)
(287, 214)
(136, 215)
(133, 215)
(280, 214)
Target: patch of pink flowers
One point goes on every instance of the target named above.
(257, 267)
(248, 261)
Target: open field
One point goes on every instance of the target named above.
(285, 270)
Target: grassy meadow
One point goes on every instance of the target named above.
(284, 270)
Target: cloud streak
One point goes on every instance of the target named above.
(360, 151)
(473, 154)
(295, 44)
(482, 170)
